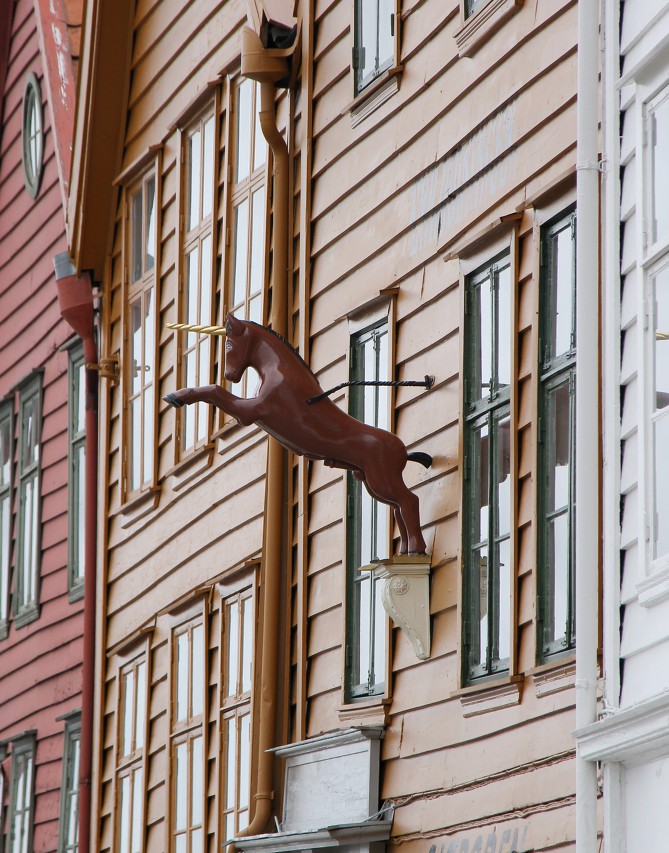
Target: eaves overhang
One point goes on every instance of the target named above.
(100, 122)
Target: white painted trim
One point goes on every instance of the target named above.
(630, 735)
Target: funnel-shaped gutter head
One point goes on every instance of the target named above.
(75, 296)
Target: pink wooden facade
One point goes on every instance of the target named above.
(41, 643)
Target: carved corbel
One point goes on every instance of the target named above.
(405, 595)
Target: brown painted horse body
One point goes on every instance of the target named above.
(317, 431)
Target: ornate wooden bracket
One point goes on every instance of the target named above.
(405, 595)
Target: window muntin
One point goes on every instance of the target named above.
(658, 121)
(556, 428)
(132, 709)
(368, 525)
(374, 49)
(6, 453)
(21, 803)
(77, 471)
(238, 648)
(28, 551)
(68, 840)
(141, 330)
(32, 135)
(249, 214)
(197, 292)
(188, 772)
(488, 572)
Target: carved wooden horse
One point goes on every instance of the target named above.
(317, 431)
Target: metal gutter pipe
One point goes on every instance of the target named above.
(587, 412)
(75, 301)
(266, 70)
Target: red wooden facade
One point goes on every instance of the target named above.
(41, 650)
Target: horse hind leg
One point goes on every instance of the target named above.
(401, 526)
(393, 490)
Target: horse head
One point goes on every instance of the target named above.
(238, 339)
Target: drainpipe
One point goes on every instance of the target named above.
(75, 301)
(587, 414)
(267, 66)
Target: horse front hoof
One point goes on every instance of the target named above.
(173, 400)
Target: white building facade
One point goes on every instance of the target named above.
(631, 740)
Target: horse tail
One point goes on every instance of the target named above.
(424, 458)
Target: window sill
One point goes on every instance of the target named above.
(139, 506)
(481, 25)
(188, 468)
(373, 711)
(27, 615)
(554, 677)
(654, 588)
(374, 95)
(76, 592)
(490, 695)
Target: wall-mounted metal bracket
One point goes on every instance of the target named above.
(108, 368)
(405, 595)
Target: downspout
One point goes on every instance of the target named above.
(75, 301)
(587, 414)
(267, 66)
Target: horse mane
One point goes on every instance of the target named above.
(283, 341)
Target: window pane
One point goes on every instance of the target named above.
(380, 636)
(233, 648)
(386, 41)
(661, 329)
(231, 764)
(479, 602)
(148, 435)
(364, 627)
(80, 397)
(124, 811)
(660, 169)
(258, 241)
(196, 841)
(480, 488)
(197, 797)
(136, 443)
(141, 706)
(504, 599)
(205, 303)
(661, 484)
(150, 226)
(192, 304)
(557, 419)
(29, 438)
(208, 176)
(128, 708)
(136, 349)
(368, 32)
(181, 805)
(482, 331)
(5, 448)
(503, 475)
(562, 277)
(241, 252)
(149, 336)
(244, 761)
(136, 236)
(558, 566)
(183, 666)
(135, 841)
(260, 143)
(5, 515)
(247, 643)
(194, 177)
(197, 664)
(244, 93)
(504, 327)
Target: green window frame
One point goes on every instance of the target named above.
(368, 526)
(21, 814)
(77, 472)
(68, 833)
(556, 439)
(488, 493)
(6, 472)
(27, 575)
(375, 24)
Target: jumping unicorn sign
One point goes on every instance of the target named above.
(314, 428)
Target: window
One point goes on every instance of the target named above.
(6, 453)
(77, 474)
(188, 702)
(141, 331)
(32, 135)
(472, 7)
(249, 213)
(374, 50)
(68, 840)
(28, 552)
(197, 292)
(238, 642)
(21, 797)
(487, 569)
(556, 428)
(130, 756)
(368, 526)
(659, 418)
